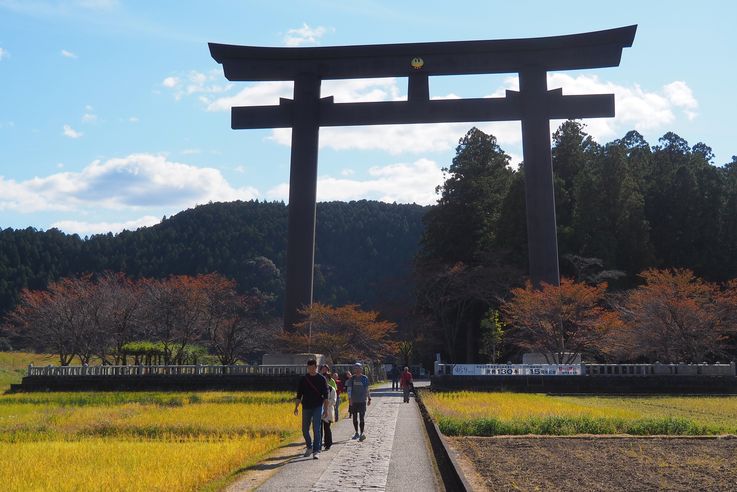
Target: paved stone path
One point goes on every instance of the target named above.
(395, 456)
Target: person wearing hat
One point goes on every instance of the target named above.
(360, 396)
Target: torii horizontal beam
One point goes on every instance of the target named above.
(577, 51)
(508, 108)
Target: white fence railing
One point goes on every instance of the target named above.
(587, 369)
(165, 370)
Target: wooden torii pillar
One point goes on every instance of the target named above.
(534, 105)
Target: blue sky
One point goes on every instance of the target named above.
(113, 114)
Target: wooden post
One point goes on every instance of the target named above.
(302, 197)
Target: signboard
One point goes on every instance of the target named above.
(517, 370)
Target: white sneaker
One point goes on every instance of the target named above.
(308, 452)
(316, 456)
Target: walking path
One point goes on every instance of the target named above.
(395, 456)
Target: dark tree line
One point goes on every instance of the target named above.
(364, 251)
(621, 207)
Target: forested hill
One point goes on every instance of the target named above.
(364, 252)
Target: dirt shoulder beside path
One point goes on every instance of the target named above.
(598, 463)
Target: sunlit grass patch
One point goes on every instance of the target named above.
(131, 441)
(13, 366)
(103, 464)
(488, 414)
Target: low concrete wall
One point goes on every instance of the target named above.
(590, 384)
(157, 383)
(450, 470)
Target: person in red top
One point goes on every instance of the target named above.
(405, 382)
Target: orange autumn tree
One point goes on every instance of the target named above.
(677, 317)
(345, 333)
(562, 321)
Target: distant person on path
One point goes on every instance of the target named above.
(328, 415)
(394, 375)
(312, 392)
(406, 383)
(360, 396)
(347, 378)
(341, 390)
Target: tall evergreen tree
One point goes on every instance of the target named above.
(462, 227)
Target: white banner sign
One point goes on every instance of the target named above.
(517, 370)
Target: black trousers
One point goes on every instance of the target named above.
(327, 435)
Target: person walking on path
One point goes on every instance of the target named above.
(394, 375)
(406, 383)
(341, 390)
(328, 415)
(360, 397)
(312, 392)
(347, 378)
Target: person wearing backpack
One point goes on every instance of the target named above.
(312, 393)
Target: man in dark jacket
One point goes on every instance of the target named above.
(312, 392)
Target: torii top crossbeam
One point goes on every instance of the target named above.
(533, 105)
(577, 51)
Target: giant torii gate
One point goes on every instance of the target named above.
(534, 105)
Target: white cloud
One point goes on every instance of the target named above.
(70, 132)
(195, 82)
(89, 228)
(401, 139)
(89, 115)
(681, 95)
(363, 90)
(259, 94)
(404, 183)
(135, 182)
(68, 54)
(643, 110)
(133, 119)
(170, 82)
(304, 35)
(4, 54)
(347, 172)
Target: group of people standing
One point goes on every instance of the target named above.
(319, 394)
(402, 381)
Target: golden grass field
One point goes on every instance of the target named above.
(485, 414)
(130, 441)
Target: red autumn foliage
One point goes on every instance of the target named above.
(560, 320)
(95, 317)
(344, 333)
(677, 317)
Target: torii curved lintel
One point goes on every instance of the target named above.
(596, 49)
